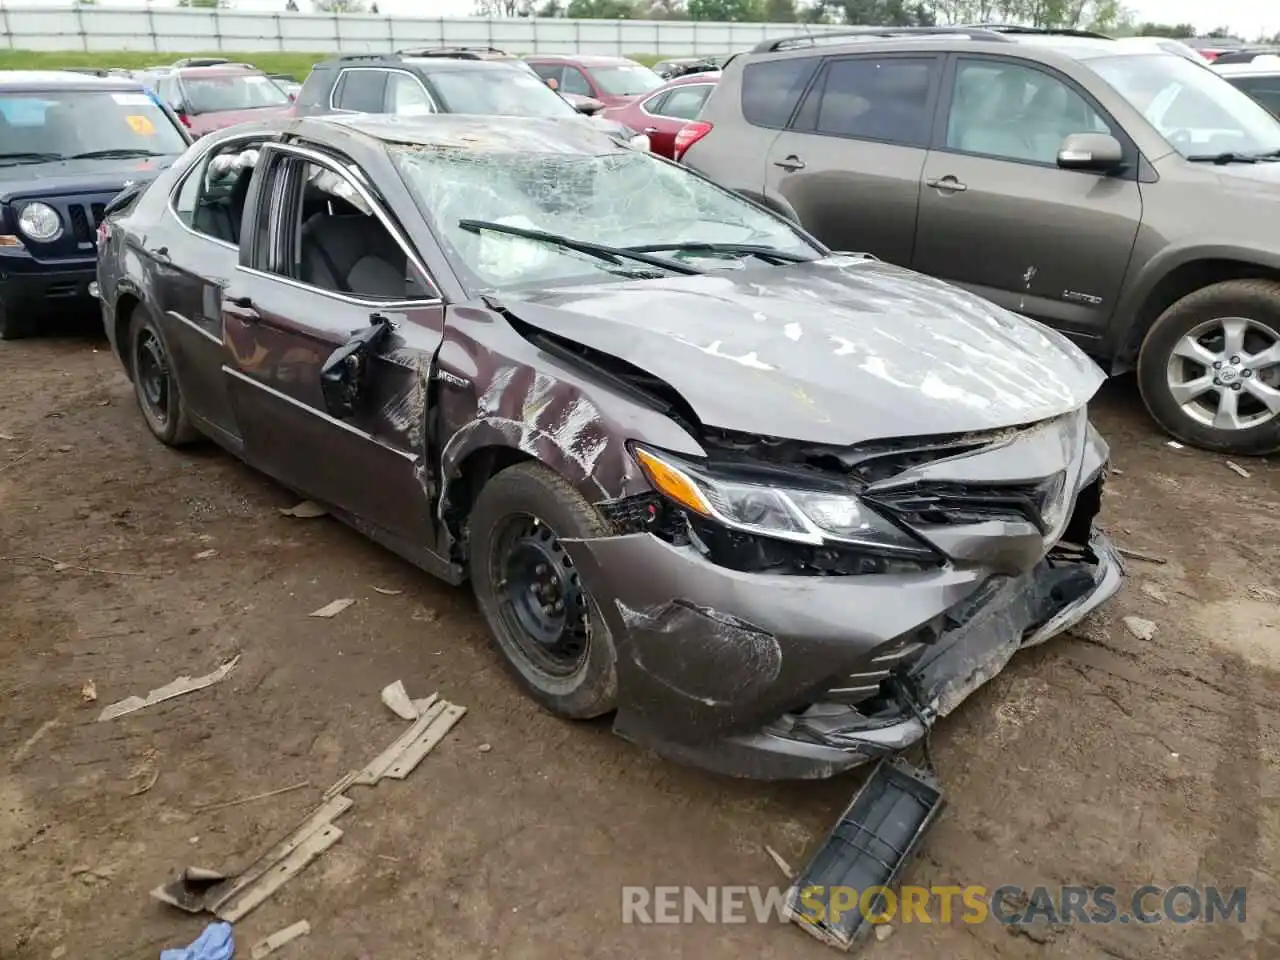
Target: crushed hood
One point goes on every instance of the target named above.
(838, 351)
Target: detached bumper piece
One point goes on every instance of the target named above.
(866, 850)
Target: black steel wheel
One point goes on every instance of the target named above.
(156, 384)
(540, 613)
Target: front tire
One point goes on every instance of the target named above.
(1209, 368)
(155, 384)
(12, 327)
(540, 615)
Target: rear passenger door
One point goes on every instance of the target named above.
(850, 162)
(1001, 218)
(667, 113)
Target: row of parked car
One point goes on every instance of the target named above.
(1076, 179)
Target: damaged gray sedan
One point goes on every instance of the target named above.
(776, 508)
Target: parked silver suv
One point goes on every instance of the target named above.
(1126, 198)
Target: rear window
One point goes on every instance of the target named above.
(772, 89)
(1266, 90)
(216, 93)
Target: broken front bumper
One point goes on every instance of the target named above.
(728, 670)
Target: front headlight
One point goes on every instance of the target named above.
(811, 516)
(39, 221)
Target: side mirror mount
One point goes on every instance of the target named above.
(1099, 152)
(343, 376)
(553, 83)
(588, 106)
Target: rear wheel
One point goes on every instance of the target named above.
(1209, 369)
(12, 327)
(154, 382)
(539, 612)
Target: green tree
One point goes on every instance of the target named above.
(552, 8)
(601, 9)
(1175, 31)
(201, 4)
(338, 6)
(724, 11)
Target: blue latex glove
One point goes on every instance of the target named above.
(216, 943)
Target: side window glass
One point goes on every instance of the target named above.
(575, 82)
(1266, 90)
(333, 240)
(361, 91)
(878, 99)
(771, 90)
(684, 103)
(1015, 112)
(212, 197)
(548, 71)
(656, 105)
(406, 97)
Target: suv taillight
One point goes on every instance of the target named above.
(690, 134)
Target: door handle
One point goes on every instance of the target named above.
(161, 255)
(947, 184)
(649, 131)
(791, 163)
(241, 308)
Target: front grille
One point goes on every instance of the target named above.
(954, 504)
(81, 230)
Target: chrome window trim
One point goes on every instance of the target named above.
(315, 156)
(200, 163)
(666, 116)
(408, 73)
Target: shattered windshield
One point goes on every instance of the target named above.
(625, 198)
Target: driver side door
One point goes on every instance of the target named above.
(997, 214)
(283, 320)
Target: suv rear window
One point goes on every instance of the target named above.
(771, 90)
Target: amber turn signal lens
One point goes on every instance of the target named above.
(672, 482)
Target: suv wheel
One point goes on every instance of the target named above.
(155, 384)
(1209, 369)
(539, 612)
(11, 326)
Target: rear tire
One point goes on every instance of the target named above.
(12, 327)
(1206, 368)
(541, 617)
(155, 383)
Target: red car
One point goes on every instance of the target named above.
(210, 97)
(611, 80)
(662, 114)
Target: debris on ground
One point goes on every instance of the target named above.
(330, 610)
(883, 931)
(397, 700)
(485, 747)
(1257, 592)
(1133, 554)
(21, 753)
(177, 688)
(869, 846)
(387, 591)
(306, 510)
(206, 555)
(216, 943)
(88, 691)
(1155, 593)
(1140, 627)
(146, 770)
(1174, 444)
(257, 796)
(269, 945)
(230, 898)
(781, 864)
(1237, 469)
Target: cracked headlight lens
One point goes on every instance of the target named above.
(772, 510)
(40, 222)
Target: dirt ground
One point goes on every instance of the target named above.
(1098, 759)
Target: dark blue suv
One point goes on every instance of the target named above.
(69, 143)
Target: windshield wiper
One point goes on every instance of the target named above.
(1233, 156)
(26, 157)
(121, 154)
(613, 255)
(744, 249)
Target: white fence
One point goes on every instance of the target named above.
(170, 30)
